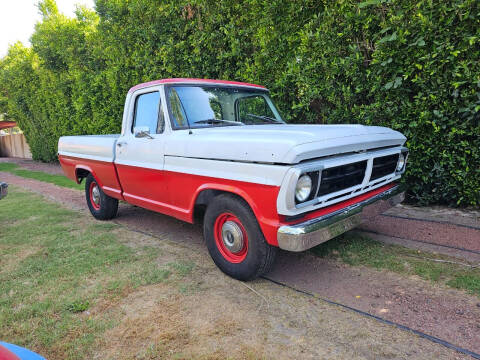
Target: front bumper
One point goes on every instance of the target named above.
(305, 235)
(3, 190)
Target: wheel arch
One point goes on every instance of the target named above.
(82, 171)
(207, 192)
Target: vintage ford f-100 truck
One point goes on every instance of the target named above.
(219, 151)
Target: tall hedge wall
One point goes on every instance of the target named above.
(411, 65)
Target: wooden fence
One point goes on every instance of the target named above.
(14, 145)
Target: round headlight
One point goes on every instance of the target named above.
(303, 188)
(401, 162)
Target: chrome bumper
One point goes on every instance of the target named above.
(303, 236)
(3, 190)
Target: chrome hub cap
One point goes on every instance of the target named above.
(96, 195)
(232, 236)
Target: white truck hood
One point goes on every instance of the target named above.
(287, 144)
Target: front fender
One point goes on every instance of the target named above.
(260, 198)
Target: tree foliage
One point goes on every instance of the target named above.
(412, 65)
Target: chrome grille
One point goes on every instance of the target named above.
(383, 166)
(341, 177)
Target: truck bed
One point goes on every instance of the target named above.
(93, 147)
(94, 154)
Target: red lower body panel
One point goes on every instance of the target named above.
(104, 172)
(174, 194)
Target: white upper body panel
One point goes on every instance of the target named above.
(280, 144)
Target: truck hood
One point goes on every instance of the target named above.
(286, 144)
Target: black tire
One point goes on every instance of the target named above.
(256, 258)
(106, 207)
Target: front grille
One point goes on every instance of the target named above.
(341, 177)
(383, 166)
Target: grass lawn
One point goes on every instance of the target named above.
(354, 249)
(59, 180)
(54, 266)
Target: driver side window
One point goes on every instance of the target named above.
(250, 108)
(148, 113)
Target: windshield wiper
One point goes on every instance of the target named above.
(218, 121)
(266, 118)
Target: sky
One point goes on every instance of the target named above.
(18, 18)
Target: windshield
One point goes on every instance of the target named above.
(206, 106)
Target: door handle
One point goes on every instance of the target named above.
(121, 143)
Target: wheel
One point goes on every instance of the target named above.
(102, 206)
(234, 239)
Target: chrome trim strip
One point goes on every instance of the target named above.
(86, 156)
(305, 235)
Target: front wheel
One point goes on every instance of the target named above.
(102, 206)
(234, 239)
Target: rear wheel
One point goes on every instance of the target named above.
(234, 239)
(102, 206)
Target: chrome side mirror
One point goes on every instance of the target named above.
(142, 132)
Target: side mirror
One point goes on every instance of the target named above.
(142, 132)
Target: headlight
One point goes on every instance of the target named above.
(401, 162)
(303, 188)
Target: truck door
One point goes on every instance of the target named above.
(140, 150)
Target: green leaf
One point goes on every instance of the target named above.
(370, 2)
(397, 83)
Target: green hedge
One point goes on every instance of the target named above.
(410, 65)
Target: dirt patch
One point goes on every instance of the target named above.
(164, 321)
(221, 318)
(11, 260)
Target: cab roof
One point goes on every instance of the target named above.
(193, 81)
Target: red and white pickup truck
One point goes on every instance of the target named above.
(219, 151)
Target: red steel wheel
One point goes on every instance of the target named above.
(101, 206)
(234, 238)
(231, 238)
(94, 193)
